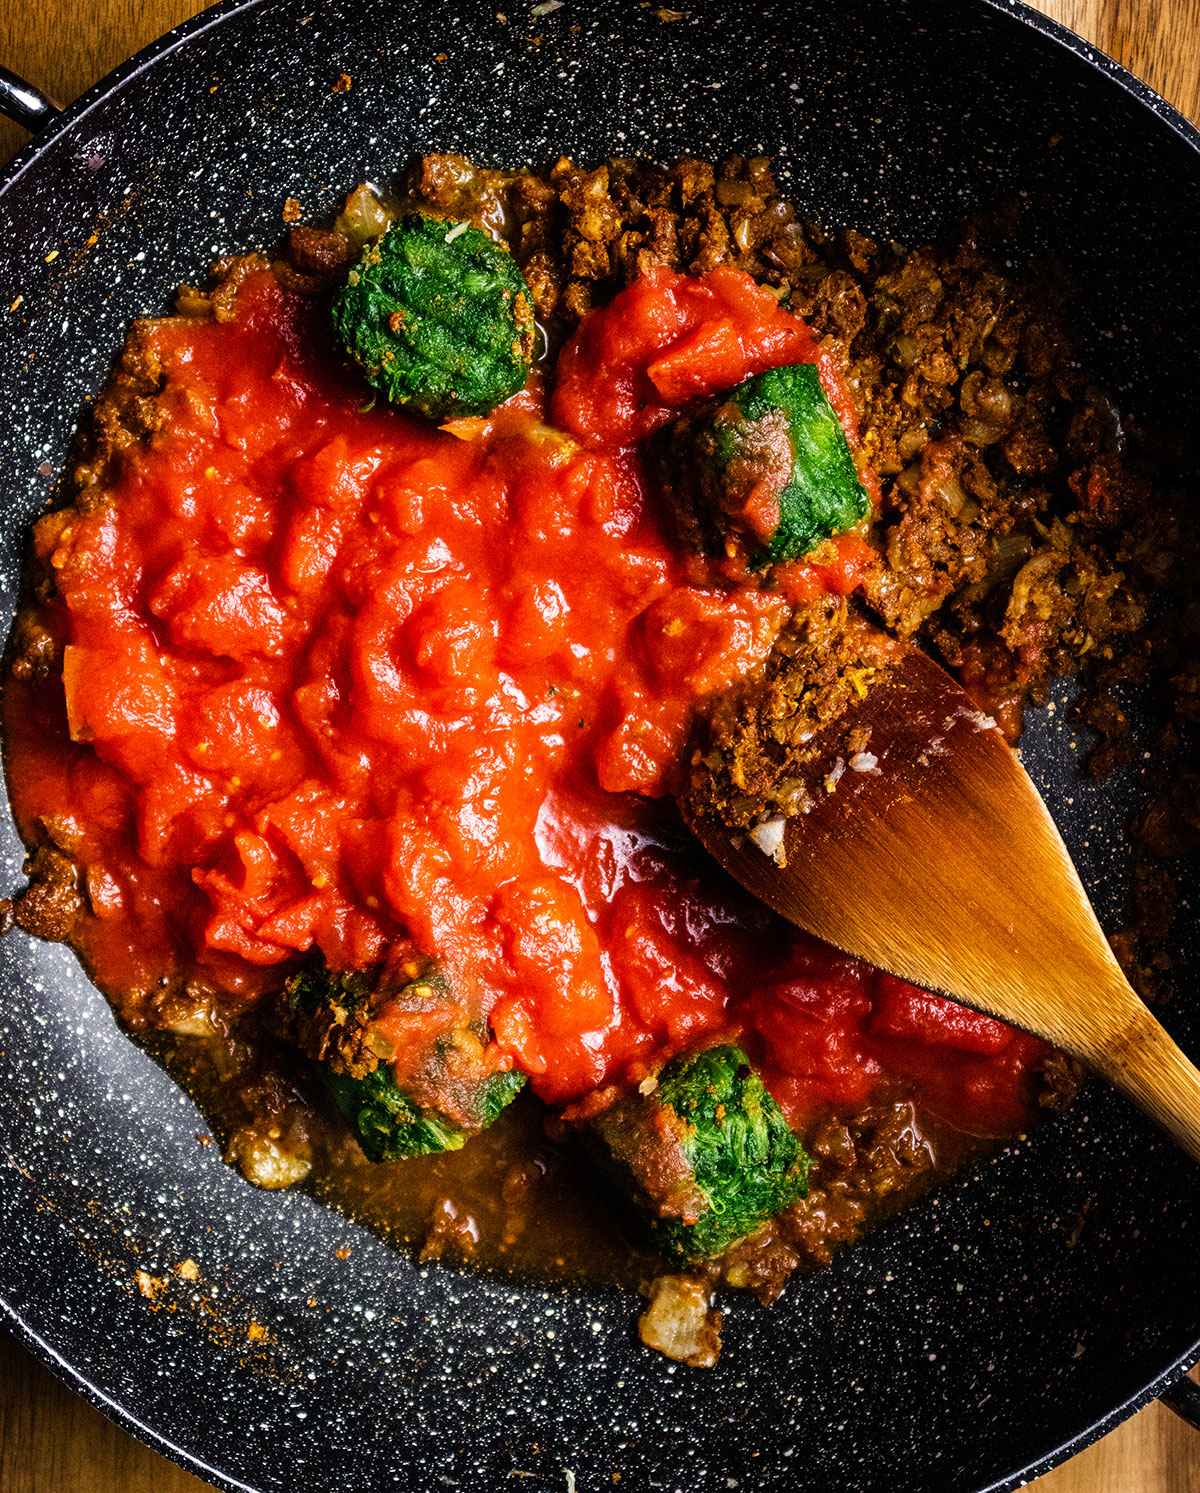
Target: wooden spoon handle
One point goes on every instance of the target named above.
(937, 860)
(1146, 1064)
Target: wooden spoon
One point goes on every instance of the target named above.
(939, 862)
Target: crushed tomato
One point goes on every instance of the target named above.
(333, 678)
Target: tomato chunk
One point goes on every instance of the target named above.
(666, 340)
(904, 1010)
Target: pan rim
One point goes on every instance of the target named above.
(120, 1415)
(1014, 12)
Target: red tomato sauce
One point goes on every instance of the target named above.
(334, 679)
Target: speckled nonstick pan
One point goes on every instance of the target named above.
(974, 1341)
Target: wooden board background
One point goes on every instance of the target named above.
(50, 1440)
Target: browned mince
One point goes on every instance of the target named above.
(750, 752)
(1019, 538)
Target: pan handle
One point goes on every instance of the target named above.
(24, 104)
(1184, 1398)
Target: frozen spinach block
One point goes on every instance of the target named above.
(765, 469)
(410, 1099)
(438, 318)
(706, 1156)
(390, 1125)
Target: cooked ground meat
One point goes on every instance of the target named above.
(1061, 1078)
(127, 412)
(976, 415)
(228, 277)
(319, 251)
(34, 648)
(751, 757)
(866, 1168)
(51, 902)
(452, 1231)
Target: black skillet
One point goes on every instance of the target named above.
(972, 1343)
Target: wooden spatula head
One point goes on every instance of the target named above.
(931, 855)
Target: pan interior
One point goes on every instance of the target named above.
(956, 1345)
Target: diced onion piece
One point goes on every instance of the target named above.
(263, 1161)
(363, 216)
(864, 762)
(679, 1322)
(768, 836)
(189, 1021)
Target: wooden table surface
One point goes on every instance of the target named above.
(50, 1440)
